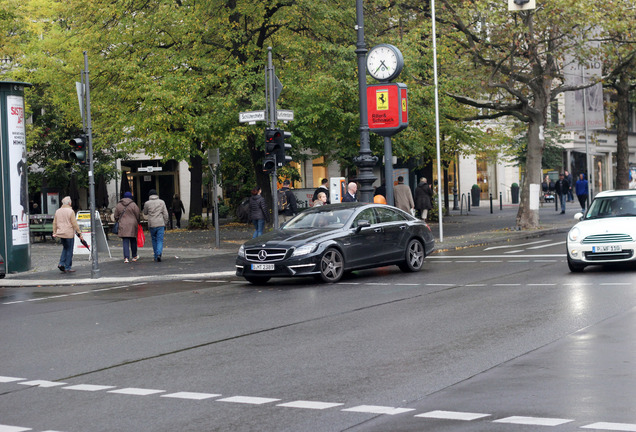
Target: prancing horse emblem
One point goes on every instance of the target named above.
(262, 255)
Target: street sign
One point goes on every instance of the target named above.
(150, 169)
(285, 115)
(251, 117)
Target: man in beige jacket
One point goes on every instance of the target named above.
(64, 227)
(403, 196)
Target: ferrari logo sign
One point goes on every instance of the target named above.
(382, 100)
(387, 108)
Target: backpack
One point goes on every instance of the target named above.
(243, 211)
(282, 201)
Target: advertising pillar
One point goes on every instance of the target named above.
(14, 205)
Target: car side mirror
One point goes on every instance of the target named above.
(362, 224)
(579, 216)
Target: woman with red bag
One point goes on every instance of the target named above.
(127, 214)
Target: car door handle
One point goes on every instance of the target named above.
(377, 229)
(403, 227)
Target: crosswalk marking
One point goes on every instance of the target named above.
(191, 395)
(6, 379)
(453, 415)
(310, 405)
(248, 400)
(42, 383)
(374, 409)
(88, 387)
(7, 428)
(533, 421)
(136, 391)
(611, 426)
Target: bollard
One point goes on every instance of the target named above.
(490, 203)
(500, 202)
(468, 202)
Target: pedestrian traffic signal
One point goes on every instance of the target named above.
(78, 154)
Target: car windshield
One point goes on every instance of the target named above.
(609, 207)
(331, 218)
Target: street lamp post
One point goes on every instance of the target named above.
(365, 161)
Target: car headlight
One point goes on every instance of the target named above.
(241, 251)
(305, 249)
(574, 234)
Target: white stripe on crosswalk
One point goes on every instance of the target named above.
(611, 426)
(533, 421)
(310, 405)
(373, 409)
(453, 415)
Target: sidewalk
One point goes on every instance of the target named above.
(192, 254)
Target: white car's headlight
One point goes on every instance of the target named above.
(241, 251)
(305, 249)
(574, 234)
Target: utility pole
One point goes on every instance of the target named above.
(365, 161)
(271, 124)
(95, 272)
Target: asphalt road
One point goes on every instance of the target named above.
(498, 338)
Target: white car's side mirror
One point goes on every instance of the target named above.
(578, 216)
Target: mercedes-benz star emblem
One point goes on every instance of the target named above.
(262, 255)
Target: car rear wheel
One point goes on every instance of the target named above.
(257, 280)
(414, 257)
(331, 266)
(574, 266)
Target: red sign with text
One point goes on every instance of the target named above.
(387, 108)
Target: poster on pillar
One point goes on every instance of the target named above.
(18, 175)
(387, 108)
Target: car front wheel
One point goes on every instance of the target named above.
(331, 266)
(574, 266)
(414, 257)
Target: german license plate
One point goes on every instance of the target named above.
(612, 248)
(261, 267)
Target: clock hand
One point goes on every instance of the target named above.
(382, 65)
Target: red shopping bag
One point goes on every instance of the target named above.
(141, 238)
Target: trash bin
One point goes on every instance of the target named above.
(514, 193)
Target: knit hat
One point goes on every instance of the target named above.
(152, 192)
(127, 194)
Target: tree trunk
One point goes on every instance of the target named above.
(196, 183)
(622, 87)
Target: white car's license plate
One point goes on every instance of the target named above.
(612, 248)
(262, 267)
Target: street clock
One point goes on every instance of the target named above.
(384, 62)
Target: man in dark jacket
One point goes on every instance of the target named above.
(350, 196)
(292, 208)
(423, 198)
(562, 187)
(322, 188)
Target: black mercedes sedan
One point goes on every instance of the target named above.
(327, 241)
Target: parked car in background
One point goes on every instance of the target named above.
(329, 240)
(606, 233)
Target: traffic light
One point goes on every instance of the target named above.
(275, 149)
(282, 148)
(78, 154)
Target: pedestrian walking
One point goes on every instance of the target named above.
(561, 188)
(403, 196)
(423, 198)
(322, 188)
(64, 227)
(177, 210)
(570, 180)
(258, 212)
(128, 216)
(287, 206)
(350, 196)
(582, 190)
(156, 212)
(321, 199)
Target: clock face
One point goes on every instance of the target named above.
(384, 62)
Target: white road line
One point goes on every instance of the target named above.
(506, 284)
(248, 400)
(516, 245)
(191, 395)
(491, 261)
(519, 261)
(6, 379)
(548, 245)
(7, 428)
(463, 257)
(453, 415)
(310, 405)
(533, 421)
(615, 284)
(88, 387)
(42, 383)
(476, 285)
(136, 391)
(441, 285)
(374, 409)
(514, 251)
(541, 284)
(407, 284)
(611, 426)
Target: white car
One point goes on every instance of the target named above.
(606, 233)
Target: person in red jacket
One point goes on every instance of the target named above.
(64, 227)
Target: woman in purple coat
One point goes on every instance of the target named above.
(127, 213)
